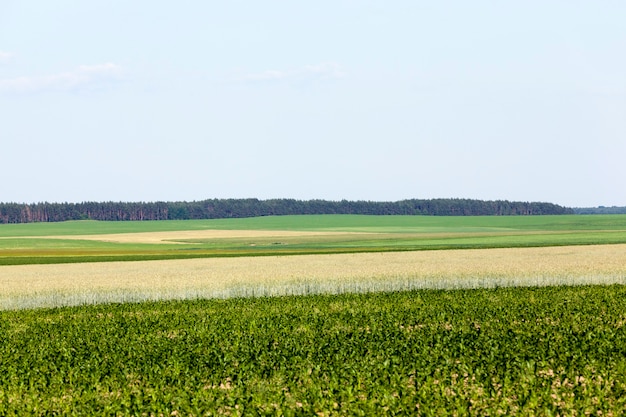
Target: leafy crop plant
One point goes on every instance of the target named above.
(488, 352)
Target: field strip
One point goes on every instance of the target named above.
(24, 286)
(174, 236)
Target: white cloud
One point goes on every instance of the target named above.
(5, 56)
(268, 75)
(84, 77)
(326, 70)
(322, 71)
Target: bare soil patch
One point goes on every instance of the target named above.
(184, 235)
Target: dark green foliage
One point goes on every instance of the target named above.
(600, 210)
(533, 351)
(252, 207)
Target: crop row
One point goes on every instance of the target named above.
(28, 286)
(522, 351)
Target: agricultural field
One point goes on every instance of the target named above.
(315, 315)
(488, 352)
(70, 263)
(29, 286)
(91, 241)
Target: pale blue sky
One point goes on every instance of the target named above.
(343, 99)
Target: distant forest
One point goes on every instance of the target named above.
(600, 210)
(232, 208)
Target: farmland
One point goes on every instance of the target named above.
(90, 241)
(305, 315)
(26, 286)
(521, 351)
(56, 264)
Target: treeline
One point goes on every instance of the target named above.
(600, 210)
(230, 208)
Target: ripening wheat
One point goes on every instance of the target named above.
(27, 286)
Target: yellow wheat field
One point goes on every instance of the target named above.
(26, 286)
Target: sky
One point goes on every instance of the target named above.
(344, 99)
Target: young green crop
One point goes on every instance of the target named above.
(532, 351)
(91, 241)
(400, 224)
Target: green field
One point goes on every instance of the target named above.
(534, 351)
(544, 350)
(400, 224)
(31, 243)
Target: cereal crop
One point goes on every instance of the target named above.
(26, 286)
